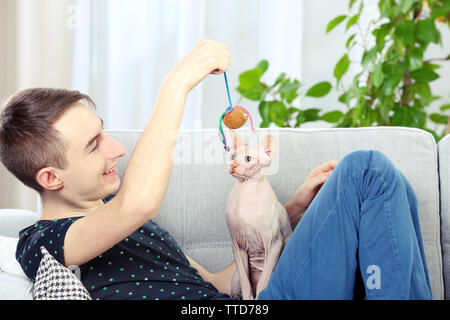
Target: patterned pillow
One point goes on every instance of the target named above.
(56, 282)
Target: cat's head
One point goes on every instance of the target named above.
(249, 162)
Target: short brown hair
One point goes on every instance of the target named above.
(28, 142)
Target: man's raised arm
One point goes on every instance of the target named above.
(148, 172)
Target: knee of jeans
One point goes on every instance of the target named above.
(366, 159)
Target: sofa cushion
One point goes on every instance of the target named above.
(14, 283)
(14, 220)
(193, 210)
(15, 287)
(444, 179)
(8, 262)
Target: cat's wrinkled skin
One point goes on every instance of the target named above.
(258, 223)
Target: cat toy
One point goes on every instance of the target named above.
(233, 117)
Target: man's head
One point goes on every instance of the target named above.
(52, 141)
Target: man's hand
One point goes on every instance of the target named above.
(303, 197)
(221, 280)
(206, 57)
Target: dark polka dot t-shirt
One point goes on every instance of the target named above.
(148, 264)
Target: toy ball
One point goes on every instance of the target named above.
(235, 118)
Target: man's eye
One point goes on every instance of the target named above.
(248, 158)
(233, 157)
(96, 146)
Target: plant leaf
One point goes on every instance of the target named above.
(391, 82)
(385, 7)
(439, 118)
(345, 97)
(319, 90)
(289, 91)
(405, 31)
(264, 111)
(311, 114)
(427, 32)
(424, 75)
(404, 6)
(346, 120)
(352, 21)
(332, 116)
(250, 78)
(264, 124)
(381, 34)
(277, 112)
(341, 67)
(335, 22)
(424, 91)
(349, 41)
(263, 65)
(368, 59)
(279, 79)
(378, 75)
(254, 94)
(408, 117)
(444, 107)
(414, 59)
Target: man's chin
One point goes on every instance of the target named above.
(113, 187)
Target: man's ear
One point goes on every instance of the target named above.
(48, 179)
(266, 150)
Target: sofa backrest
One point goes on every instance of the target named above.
(194, 206)
(444, 180)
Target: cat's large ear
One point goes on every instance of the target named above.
(267, 149)
(237, 141)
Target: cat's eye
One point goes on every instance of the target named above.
(248, 158)
(233, 156)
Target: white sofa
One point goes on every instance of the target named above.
(194, 206)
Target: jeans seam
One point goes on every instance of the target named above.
(321, 228)
(392, 240)
(394, 248)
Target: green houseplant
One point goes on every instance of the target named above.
(393, 86)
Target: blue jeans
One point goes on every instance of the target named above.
(362, 229)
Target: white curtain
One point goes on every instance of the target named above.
(122, 52)
(35, 52)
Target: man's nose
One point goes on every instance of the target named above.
(115, 149)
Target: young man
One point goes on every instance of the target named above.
(53, 143)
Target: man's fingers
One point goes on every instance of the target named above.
(323, 168)
(318, 180)
(328, 165)
(223, 65)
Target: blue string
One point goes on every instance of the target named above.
(228, 92)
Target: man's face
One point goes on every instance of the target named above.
(90, 154)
